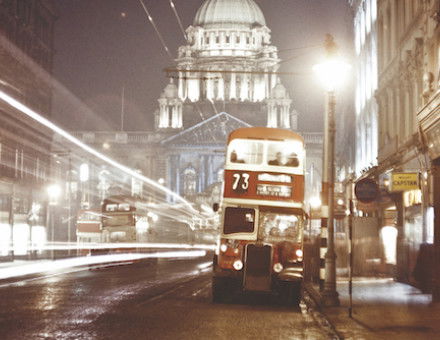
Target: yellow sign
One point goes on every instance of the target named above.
(404, 181)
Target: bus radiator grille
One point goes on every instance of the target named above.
(257, 275)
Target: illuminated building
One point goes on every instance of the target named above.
(407, 53)
(223, 79)
(228, 64)
(26, 53)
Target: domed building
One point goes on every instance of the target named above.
(229, 64)
(224, 78)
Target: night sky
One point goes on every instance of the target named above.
(104, 45)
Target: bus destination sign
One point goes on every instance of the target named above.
(274, 190)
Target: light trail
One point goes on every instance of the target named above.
(55, 128)
(101, 246)
(51, 266)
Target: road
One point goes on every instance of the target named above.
(169, 299)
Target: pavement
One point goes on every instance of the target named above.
(381, 309)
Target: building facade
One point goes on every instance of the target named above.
(407, 86)
(366, 73)
(227, 65)
(26, 53)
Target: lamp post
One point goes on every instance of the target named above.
(331, 72)
(84, 174)
(53, 193)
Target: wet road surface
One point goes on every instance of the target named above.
(169, 299)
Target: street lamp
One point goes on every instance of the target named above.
(54, 192)
(332, 73)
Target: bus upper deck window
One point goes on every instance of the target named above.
(111, 207)
(124, 207)
(282, 159)
(246, 151)
(234, 157)
(281, 154)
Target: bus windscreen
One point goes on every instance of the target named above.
(239, 220)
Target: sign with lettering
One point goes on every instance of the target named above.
(404, 181)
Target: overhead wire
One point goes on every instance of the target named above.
(301, 48)
(173, 7)
(150, 18)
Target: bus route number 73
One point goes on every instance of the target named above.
(240, 182)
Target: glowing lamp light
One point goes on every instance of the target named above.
(332, 73)
(238, 265)
(277, 267)
(315, 202)
(54, 192)
(153, 216)
(84, 172)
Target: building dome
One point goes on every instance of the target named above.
(227, 13)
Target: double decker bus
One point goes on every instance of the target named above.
(121, 219)
(88, 226)
(130, 219)
(262, 214)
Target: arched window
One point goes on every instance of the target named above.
(189, 181)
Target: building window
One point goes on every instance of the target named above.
(170, 116)
(189, 181)
(237, 40)
(228, 39)
(217, 40)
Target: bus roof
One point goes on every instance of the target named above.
(264, 133)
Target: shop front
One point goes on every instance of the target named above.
(429, 122)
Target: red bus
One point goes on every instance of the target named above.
(88, 226)
(262, 214)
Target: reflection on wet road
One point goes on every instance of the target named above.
(168, 299)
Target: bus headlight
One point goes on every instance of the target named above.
(277, 267)
(238, 265)
(299, 253)
(223, 248)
